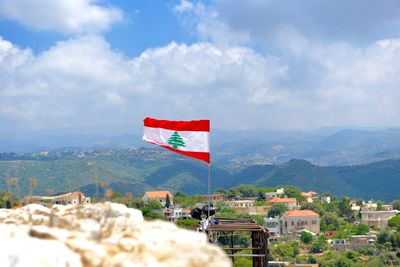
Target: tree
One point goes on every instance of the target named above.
(394, 222)
(360, 229)
(180, 194)
(383, 237)
(396, 204)
(276, 210)
(345, 208)
(329, 221)
(334, 259)
(306, 237)
(154, 204)
(176, 140)
(167, 201)
(318, 245)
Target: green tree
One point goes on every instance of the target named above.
(329, 221)
(334, 259)
(318, 245)
(180, 194)
(394, 222)
(360, 229)
(276, 210)
(187, 223)
(306, 237)
(167, 201)
(345, 208)
(176, 140)
(383, 237)
(396, 204)
(154, 204)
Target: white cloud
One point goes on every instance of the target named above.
(66, 16)
(82, 83)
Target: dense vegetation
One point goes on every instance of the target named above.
(138, 170)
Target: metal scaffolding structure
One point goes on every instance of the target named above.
(241, 227)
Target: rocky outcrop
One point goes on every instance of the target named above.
(104, 234)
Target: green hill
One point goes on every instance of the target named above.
(137, 170)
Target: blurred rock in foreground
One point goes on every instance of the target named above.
(104, 234)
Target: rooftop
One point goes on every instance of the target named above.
(158, 194)
(300, 213)
(282, 200)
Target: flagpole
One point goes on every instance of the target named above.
(209, 189)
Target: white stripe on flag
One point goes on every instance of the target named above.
(195, 141)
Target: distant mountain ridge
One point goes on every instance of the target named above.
(233, 148)
(137, 170)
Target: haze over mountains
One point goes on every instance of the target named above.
(325, 147)
(359, 163)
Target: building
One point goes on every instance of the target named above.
(339, 244)
(361, 241)
(377, 218)
(309, 196)
(274, 226)
(290, 203)
(160, 196)
(240, 206)
(73, 198)
(325, 199)
(258, 210)
(299, 220)
(278, 193)
(214, 198)
(177, 213)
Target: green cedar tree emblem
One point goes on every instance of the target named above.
(176, 140)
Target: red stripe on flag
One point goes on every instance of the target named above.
(199, 125)
(204, 156)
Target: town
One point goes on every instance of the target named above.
(304, 228)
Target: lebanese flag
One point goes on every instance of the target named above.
(189, 138)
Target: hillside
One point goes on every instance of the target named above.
(137, 170)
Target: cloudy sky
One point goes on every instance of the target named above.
(102, 66)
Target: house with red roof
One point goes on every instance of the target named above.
(290, 203)
(160, 196)
(300, 220)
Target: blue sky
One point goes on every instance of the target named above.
(102, 66)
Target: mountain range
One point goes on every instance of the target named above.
(137, 170)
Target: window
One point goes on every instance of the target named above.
(313, 222)
(292, 223)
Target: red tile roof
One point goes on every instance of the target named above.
(158, 194)
(300, 213)
(282, 200)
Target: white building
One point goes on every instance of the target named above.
(377, 218)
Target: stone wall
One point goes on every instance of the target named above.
(104, 234)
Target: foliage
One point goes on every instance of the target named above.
(334, 259)
(154, 204)
(180, 194)
(293, 191)
(360, 229)
(150, 214)
(306, 237)
(6, 199)
(394, 222)
(345, 209)
(284, 251)
(329, 221)
(318, 245)
(276, 210)
(243, 262)
(187, 223)
(317, 207)
(383, 236)
(396, 204)
(366, 251)
(167, 201)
